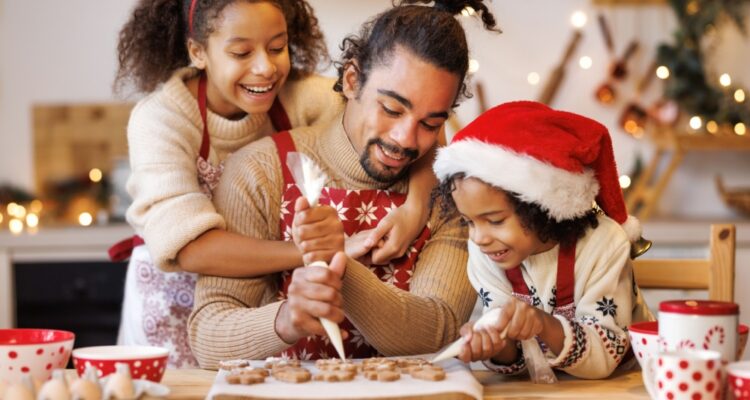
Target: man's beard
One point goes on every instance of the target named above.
(385, 175)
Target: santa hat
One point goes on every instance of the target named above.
(561, 161)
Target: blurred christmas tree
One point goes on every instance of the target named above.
(688, 84)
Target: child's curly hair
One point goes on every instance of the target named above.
(531, 215)
(153, 43)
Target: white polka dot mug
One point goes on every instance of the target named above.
(738, 375)
(684, 374)
(699, 325)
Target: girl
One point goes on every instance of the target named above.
(524, 177)
(251, 75)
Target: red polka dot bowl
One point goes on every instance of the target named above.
(146, 362)
(644, 339)
(738, 375)
(34, 352)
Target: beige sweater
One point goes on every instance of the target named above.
(234, 318)
(164, 136)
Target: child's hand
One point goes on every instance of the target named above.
(357, 246)
(395, 233)
(520, 321)
(317, 231)
(480, 345)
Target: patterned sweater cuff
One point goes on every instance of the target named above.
(574, 344)
(516, 368)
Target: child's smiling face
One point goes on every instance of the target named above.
(494, 225)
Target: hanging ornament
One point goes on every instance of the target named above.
(618, 71)
(634, 117)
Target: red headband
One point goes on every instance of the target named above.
(190, 16)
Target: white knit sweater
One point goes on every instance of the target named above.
(164, 136)
(606, 300)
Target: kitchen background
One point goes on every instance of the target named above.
(58, 59)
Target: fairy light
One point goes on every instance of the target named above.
(725, 80)
(696, 122)
(85, 219)
(739, 95)
(16, 226)
(32, 220)
(36, 206)
(585, 62)
(662, 72)
(11, 208)
(712, 127)
(740, 129)
(578, 19)
(96, 174)
(532, 78)
(468, 11)
(20, 212)
(473, 66)
(1, 218)
(625, 181)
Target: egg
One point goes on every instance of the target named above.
(55, 388)
(119, 384)
(84, 389)
(3, 387)
(21, 391)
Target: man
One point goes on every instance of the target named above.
(400, 78)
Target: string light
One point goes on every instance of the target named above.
(32, 220)
(473, 66)
(625, 181)
(532, 78)
(96, 174)
(36, 206)
(1, 218)
(712, 127)
(739, 95)
(11, 208)
(725, 80)
(662, 72)
(578, 19)
(696, 122)
(15, 226)
(85, 219)
(740, 129)
(585, 62)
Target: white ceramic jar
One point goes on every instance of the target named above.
(699, 325)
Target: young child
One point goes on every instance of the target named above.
(524, 178)
(251, 75)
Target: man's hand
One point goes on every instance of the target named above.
(317, 231)
(314, 293)
(357, 246)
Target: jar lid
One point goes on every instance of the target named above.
(700, 307)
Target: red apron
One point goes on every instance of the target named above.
(564, 304)
(208, 174)
(358, 210)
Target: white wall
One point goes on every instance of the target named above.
(53, 51)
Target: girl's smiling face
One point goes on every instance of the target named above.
(246, 59)
(494, 225)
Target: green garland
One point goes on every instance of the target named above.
(687, 84)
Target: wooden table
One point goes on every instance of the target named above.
(194, 385)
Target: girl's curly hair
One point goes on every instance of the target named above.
(531, 215)
(153, 43)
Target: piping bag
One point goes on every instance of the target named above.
(536, 362)
(310, 180)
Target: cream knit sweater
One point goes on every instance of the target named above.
(234, 318)
(164, 137)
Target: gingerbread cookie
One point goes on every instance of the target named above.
(291, 374)
(275, 362)
(229, 365)
(428, 372)
(405, 365)
(335, 364)
(247, 376)
(335, 376)
(382, 375)
(379, 364)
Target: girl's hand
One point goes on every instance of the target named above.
(396, 232)
(480, 345)
(357, 246)
(520, 321)
(317, 231)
